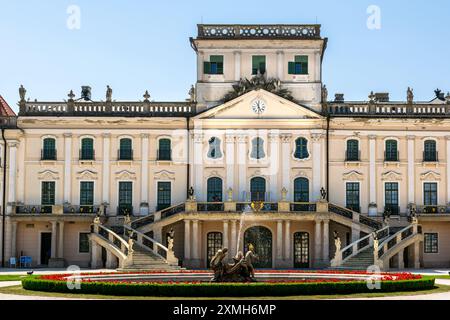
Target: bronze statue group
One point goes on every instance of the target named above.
(241, 270)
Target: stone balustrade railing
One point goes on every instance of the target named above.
(378, 109)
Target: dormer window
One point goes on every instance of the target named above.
(257, 148)
(299, 65)
(214, 65)
(214, 148)
(258, 65)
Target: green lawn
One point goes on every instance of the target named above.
(12, 277)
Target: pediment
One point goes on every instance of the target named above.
(164, 175)
(430, 176)
(353, 176)
(48, 175)
(391, 176)
(275, 108)
(125, 175)
(87, 175)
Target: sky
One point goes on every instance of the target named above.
(136, 45)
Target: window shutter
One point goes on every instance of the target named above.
(206, 67)
(219, 67)
(216, 59)
(291, 67)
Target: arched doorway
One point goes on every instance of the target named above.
(261, 238)
(214, 189)
(258, 189)
(301, 250)
(213, 243)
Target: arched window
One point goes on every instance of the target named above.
(301, 148)
(352, 153)
(429, 151)
(126, 149)
(257, 148)
(214, 189)
(165, 150)
(301, 190)
(214, 151)
(49, 149)
(391, 152)
(213, 243)
(87, 149)
(258, 189)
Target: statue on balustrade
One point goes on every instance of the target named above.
(337, 242)
(170, 236)
(108, 94)
(323, 193)
(409, 95)
(324, 94)
(22, 93)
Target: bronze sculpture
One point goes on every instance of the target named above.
(241, 270)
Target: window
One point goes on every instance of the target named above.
(258, 65)
(86, 196)
(126, 149)
(301, 148)
(213, 243)
(214, 151)
(48, 193)
(125, 198)
(391, 152)
(352, 196)
(214, 189)
(258, 189)
(430, 194)
(352, 153)
(214, 65)
(299, 65)
(87, 149)
(164, 195)
(430, 243)
(301, 190)
(49, 149)
(164, 151)
(257, 148)
(430, 153)
(83, 243)
(391, 198)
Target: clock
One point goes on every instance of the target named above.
(258, 106)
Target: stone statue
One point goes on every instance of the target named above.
(324, 94)
(371, 97)
(97, 219)
(170, 236)
(191, 193)
(71, 95)
(283, 194)
(127, 220)
(337, 243)
(323, 193)
(447, 98)
(375, 248)
(409, 95)
(146, 96)
(22, 93)
(130, 244)
(108, 94)
(249, 258)
(230, 194)
(192, 94)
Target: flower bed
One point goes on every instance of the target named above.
(283, 287)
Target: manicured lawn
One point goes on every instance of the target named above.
(12, 277)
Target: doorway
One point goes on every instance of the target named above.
(46, 247)
(301, 250)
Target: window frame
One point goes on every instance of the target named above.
(93, 192)
(42, 193)
(437, 193)
(258, 150)
(358, 183)
(91, 153)
(433, 153)
(259, 57)
(397, 152)
(298, 63)
(51, 155)
(167, 151)
(208, 191)
(219, 65)
(301, 192)
(258, 198)
(350, 155)
(88, 242)
(436, 251)
(158, 208)
(119, 205)
(218, 145)
(122, 157)
(398, 196)
(294, 154)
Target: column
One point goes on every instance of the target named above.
(317, 242)
(233, 248)
(229, 150)
(21, 173)
(372, 177)
(280, 64)
(199, 65)
(96, 250)
(53, 249)
(285, 165)
(411, 175)
(187, 239)
(401, 262)
(144, 210)
(237, 65)
(279, 253)
(448, 168)
(242, 167)
(317, 165)
(356, 232)
(287, 240)
(67, 167)
(225, 234)
(194, 239)
(106, 154)
(416, 255)
(198, 166)
(274, 140)
(61, 240)
(12, 173)
(326, 241)
(13, 238)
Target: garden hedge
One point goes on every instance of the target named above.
(226, 289)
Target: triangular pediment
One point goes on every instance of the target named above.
(275, 107)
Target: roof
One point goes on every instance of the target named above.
(5, 109)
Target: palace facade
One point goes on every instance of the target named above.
(258, 154)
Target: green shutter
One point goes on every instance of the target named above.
(206, 67)
(291, 67)
(258, 63)
(216, 59)
(301, 59)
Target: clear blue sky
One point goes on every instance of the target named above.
(135, 45)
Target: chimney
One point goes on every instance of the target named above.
(382, 96)
(86, 93)
(339, 97)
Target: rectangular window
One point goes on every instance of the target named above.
(430, 194)
(125, 197)
(352, 196)
(299, 65)
(48, 193)
(86, 193)
(258, 64)
(214, 65)
(391, 198)
(164, 195)
(83, 243)
(431, 243)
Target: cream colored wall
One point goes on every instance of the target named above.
(72, 255)
(442, 258)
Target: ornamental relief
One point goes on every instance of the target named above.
(125, 175)
(353, 176)
(391, 176)
(48, 175)
(87, 175)
(430, 176)
(164, 175)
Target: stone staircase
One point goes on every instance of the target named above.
(361, 261)
(146, 260)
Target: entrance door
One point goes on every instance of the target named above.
(46, 247)
(261, 239)
(301, 250)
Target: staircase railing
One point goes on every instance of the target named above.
(113, 243)
(358, 246)
(350, 214)
(159, 215)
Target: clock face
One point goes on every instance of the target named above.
(258, 106)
